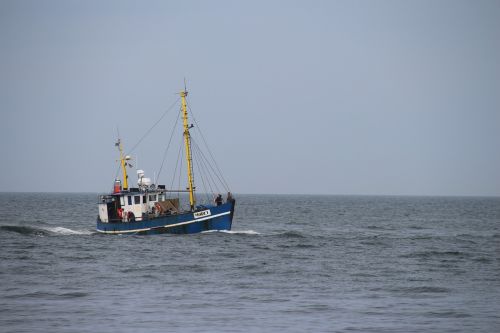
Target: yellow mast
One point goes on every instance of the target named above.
(123, 164)
(187, 143)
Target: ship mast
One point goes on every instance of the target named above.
(123, 163)
(187, 144)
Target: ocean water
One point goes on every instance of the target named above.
(290, 264)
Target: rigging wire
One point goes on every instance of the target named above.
(180, 175)
(211, 167)
(208, 148)
(175, 170)
(195, 163)
(154, 125)
(145, 135)
(210, 177)
(210, 174)
(203, 175)
(168, 145)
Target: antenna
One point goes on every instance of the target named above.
(185, 88)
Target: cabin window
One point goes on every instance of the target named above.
(122, 201)
(129, 200)
(152, 197)
(144, 199)
(137, 199)
(160, 197)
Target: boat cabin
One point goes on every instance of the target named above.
(136, 205)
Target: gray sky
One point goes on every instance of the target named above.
(327, 97)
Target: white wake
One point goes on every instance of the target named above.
(67, 231)
(241, 232)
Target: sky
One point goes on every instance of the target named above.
(294, 97)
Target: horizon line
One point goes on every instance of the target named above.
(293, 194)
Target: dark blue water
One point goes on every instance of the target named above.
(291, 264)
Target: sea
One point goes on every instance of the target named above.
(291, 263)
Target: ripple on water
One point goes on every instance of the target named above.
(48, 295)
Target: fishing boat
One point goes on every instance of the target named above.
(151, 209)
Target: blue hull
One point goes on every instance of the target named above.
(211, 218)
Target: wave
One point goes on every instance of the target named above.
(24, 230)
(292, 234)
(43, 231)
(426, 289)
(234, 232)
(436, 254)
(447, 314)
(49, 295)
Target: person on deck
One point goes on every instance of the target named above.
(131, 216)
(218, 200)
(158, 210)
(229, 197)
